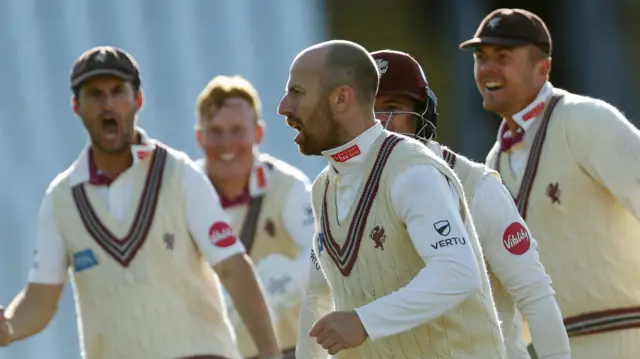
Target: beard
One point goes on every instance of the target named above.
(322, 133)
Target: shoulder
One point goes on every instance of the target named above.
(65, 178)
(175, 155)
(461, 163)
(321, 177)
(579, 120)
(410, 148)
(580, 108)
(60, 180)
(179, 160)
(283, 169)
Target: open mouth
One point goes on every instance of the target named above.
(227, 157)
(492, 86)
(296, 126)
(110, 127)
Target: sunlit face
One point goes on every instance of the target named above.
(396, 113)
(228, 138)
(508, 79)
(306, 107)
(108, 106)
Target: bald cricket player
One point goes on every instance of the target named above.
(406, 280)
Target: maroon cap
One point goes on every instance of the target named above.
(511, 28)
(402, 74)
(105, 60)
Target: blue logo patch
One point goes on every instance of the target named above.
(84, 260)
(320, 244)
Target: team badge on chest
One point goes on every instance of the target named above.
(378, 237)
(169, 240)
(270, 228)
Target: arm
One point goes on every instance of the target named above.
(316, 303)
(238, 276)
(297, 219)
(518, 269)
(452, 273)
(607, 147)
(34, 307)
(227, 256)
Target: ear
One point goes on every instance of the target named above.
(549, 66)
(545, 67)
(74, 104)
(139, 99)
(260, 129)
(341, 98)
(200, 138)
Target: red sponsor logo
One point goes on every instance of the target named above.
(516, 239)
(221, 235)
(261, 178)
(347, 154)
(143, 154)
(534, 112)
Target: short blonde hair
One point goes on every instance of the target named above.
(220, 89)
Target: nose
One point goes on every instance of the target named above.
(485, 67)
(283, 106)
(108, 102)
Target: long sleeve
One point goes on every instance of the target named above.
(452, 274)
(298, 220)
(607, 147)
(281, 275)
(316, 303)
(517, 266)
(50, 263)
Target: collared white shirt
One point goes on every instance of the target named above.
(529, 121)
(452, 274)
(201, 211)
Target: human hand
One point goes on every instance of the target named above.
(337, 331)
(6, 331)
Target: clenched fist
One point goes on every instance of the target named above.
(6, 331)
(338, 331)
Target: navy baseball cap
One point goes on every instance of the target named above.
(105, 60)
(511, 28)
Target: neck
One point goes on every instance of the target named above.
(112, 165)
(229, 188)
(513, 125)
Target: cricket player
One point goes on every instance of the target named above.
(139, 227)
(266, 199)
(571, 163)
(407, 279)
(405, 104)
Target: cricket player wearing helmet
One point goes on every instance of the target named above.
(406, 104)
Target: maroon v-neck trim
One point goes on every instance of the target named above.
(125, 249)
(345, 256)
